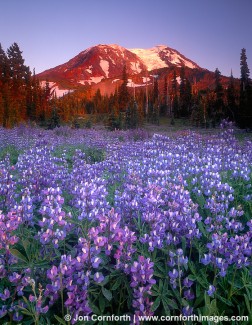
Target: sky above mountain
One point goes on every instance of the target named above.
(211, 33)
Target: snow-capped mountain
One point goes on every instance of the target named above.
(162, 56)
(95, 64)
(101, 62)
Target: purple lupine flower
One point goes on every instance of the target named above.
(15, 277)
(187, 311)
(141, 281)
(187, 283)
(32, 298)
(5, 295)
(17, 316)
(3, 311)
(173, 274)
(98, 277)
(54, 224)
(189, 295)
(207, 259)
(96, 262)
(211, 290)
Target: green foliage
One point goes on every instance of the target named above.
(231, 100)
(54, 120)
(115, 122)
(244, 117)
(128, 120)
(114, 294)
(10, 152)
(88, 124)
(123, 93)
(21, 96)
(27, 251)
(92, 154)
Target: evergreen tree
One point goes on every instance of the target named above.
(18, 75)
(128, 118)
(245, 82)
(113, 102)
(155, 90)
(4, 88)
(174, 95)
(97, 102)
(231, 100)
(185, 94)
(164, 109)
(198, 116)
(114, 121)
(90, 107)
(245, 111)
(218, 113)
(4, 67)
(123, 93)
(29, 95)
(155, 113)
(36, 97)
(21, 96)
(182, 91)
(188, 97)
(134, 116)
(45, 111)
(18, 70)
(54, 121)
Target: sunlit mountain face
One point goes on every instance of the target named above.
(101, 67)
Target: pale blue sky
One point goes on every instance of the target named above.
(209, 32)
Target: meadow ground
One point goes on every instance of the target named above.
(151, 222)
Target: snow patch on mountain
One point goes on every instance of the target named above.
(82, 82)
(135, 66)
(104, 64)
(118, 48)
(146, 79)
(132, 84)
(160, 56)
(54, 88)
(150, 58)
(176, 58)
(96, 79)
(89, 69)
(112, 60)
(91, 80)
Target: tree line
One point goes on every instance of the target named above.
(173, 94)
(21, 96)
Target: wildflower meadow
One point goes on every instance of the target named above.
(124, 223)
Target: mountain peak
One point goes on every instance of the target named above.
(161, 56)
(106, 61)
(160, 47)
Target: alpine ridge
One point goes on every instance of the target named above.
(101, 62)
(162, 56)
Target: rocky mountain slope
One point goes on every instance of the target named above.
(104, 64)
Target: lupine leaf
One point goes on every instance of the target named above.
(117, 284)
(170, 302)
(224, 300)
(156, 304)
(101, 303)
(107, 294)
(19, 255)
(60, 320)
